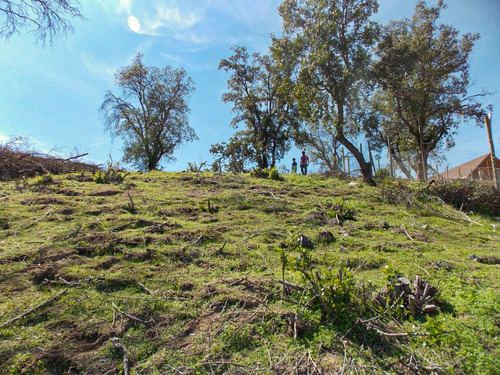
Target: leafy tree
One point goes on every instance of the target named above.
(331, 41)
(423, 76)
(235, 155)
(44, 19)
(152, 115)
(259, 101)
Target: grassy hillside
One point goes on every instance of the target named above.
(182, 273)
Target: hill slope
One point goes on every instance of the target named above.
(184, 274)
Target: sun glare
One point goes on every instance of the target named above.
(134, 24)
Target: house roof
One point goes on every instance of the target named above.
(466, 169)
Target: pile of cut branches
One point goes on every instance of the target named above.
(15, 163)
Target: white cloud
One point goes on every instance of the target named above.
(173, 19)
(134, 24)
(125, 5)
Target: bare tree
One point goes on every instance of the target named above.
(45, 19)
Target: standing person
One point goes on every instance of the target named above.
(304, 162)
(294, 165)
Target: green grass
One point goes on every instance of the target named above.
(185, 270)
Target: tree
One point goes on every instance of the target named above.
(152, 115)
(44, 19)
(256, 90)
(423, 77)
(236, 155)
(332, 42)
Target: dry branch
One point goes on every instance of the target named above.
(131, 316)
(44, 303)
(120, 347)
(15, 163)
(148, 291)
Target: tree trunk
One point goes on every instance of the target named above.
(401, 164)
(422, 166)
(366, 167)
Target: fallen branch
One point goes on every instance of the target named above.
(469, 219)
(291, 285)
(44, 303)
(74, 234)
(120, 347)
(131, 316)
(150, 292)
(37, 220)
(195, 242)
(406, 232)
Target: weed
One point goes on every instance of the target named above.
(45, 179)
(112, 174)
(334, 292)
(340, 210)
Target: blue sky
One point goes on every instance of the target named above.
(52, 94)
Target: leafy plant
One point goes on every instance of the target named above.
(45, 179)
(340, 210)
(259, 173)
(112, 174)
(333, 291)
(274, 174)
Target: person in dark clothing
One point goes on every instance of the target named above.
(294, 166)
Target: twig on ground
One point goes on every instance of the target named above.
(195, 242)
(44, 303)
(219, 251)
(76, 157)
(131, 316)
(408, 234)
(314, 363)
(74, 234)
(120, 347)
(470, 220)
(37, 220)
(148, 291)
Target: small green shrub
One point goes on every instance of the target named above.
(45, 179)
(332, 291)
(112, 174)
(340, 210)
(259, 173)
(274, 174)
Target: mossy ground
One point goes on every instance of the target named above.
(184, 269)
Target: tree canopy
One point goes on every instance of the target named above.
(151, 116)
(45, 19)
(423, 76)
(331, 41)
(255, 88)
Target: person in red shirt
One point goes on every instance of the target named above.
(304, 162)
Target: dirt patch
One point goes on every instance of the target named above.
(52, 254)
(68, 192)
(105, 192)
(38, 276)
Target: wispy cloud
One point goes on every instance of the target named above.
(98, 68)
(195, 21)
(160, 18)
